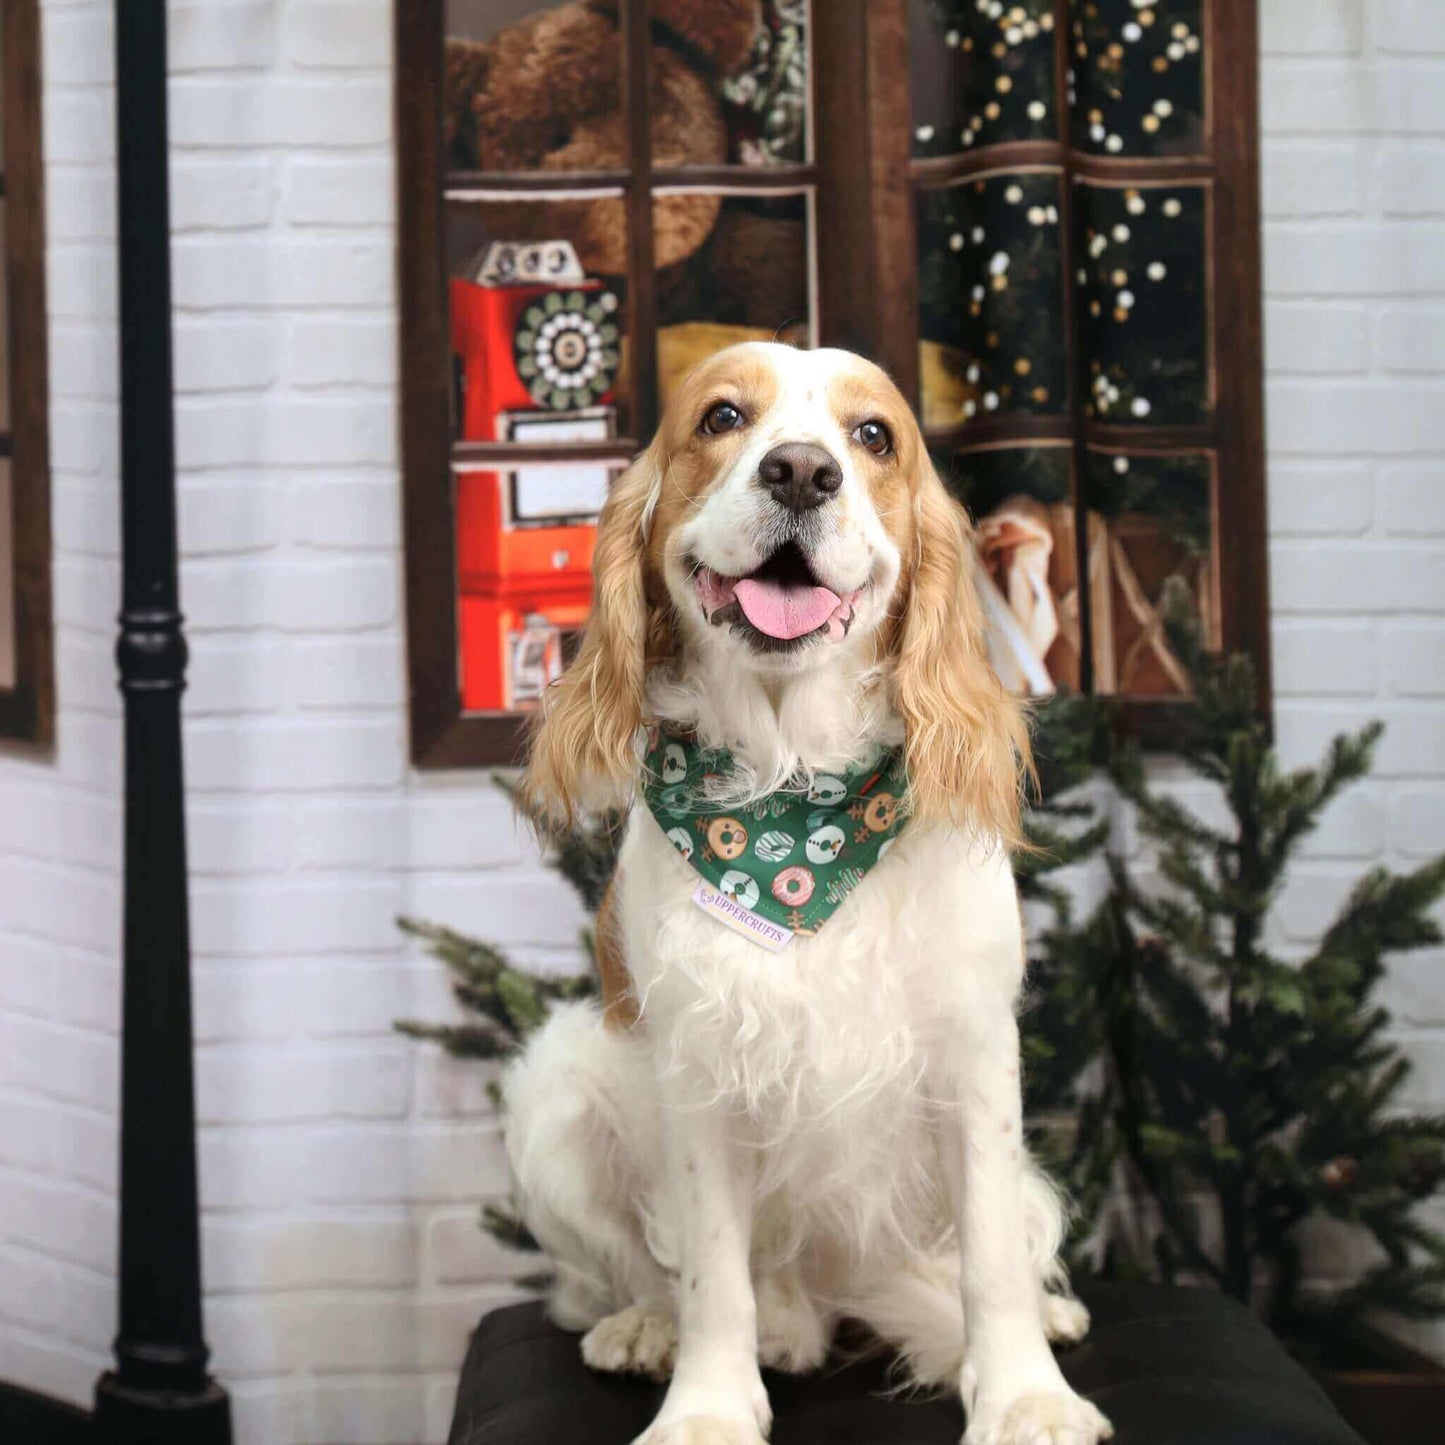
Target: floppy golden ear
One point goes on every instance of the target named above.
(583, 754)
(965, 738)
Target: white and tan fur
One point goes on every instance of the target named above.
(751, 1146)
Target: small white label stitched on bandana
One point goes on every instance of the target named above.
(773, 936)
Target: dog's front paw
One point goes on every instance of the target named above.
(1052, 1417)
(640, 1340)
(1066, 1321)
(704, 1430)
(794, 1335)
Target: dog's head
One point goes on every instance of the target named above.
(786, 515)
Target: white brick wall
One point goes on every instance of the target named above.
(340, 1166)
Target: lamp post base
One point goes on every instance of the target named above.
(127, 1416)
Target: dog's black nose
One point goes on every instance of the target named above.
(799, 475)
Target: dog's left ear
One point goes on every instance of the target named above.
(583, 755)
(966, 740)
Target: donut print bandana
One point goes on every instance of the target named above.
(781, 865)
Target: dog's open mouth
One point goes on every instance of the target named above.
(781, 602)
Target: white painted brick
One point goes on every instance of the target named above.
(504, 907)
(1412, 339)
(1398, 418)
(225, 195)
(85, 670)
(81, 367)
(314, 597)
(1417, 823)
(1413, 745)
(1411, 989)
(254, 273)
(1311, 27)
(250, 1001)
(1412, 499)
(238, 514)
(1409, 27)
(1327, 499)
(1311, 178)
(366, 1411)
(342, 351)
(81, 283)
(245, 114)
(28, 980)
(226, 355)
(79, 126)
(475, 829)
(85, 519)
(1425, 1086)
(87, 1147)
(460, 1251)
(265, 918)
(1305, 577)
(80, 203)
(318, 757)
(1352, 827)
(215, 35)
(336, 35)
(340, 193)
(63, 1219)
(27, 1136)
(258, 432)
(1332, 96)
(1354, 259)
(32, 1289)
(235, 675)
(250, 1169)
(255, 1086)
(349, 516)
(237, 836)
(60, 903)
(361, 834)
(1308, 338)
(345, 999)
(90, 1000)
(1410, 179)
(347, 672)
(385, 1164)
(451, 1088)
(87, 829)
(1413, 659)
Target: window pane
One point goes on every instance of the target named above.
(535, 327)
(981, 74)
(7, 581)
(1020, 498)
(1143, 283)
(749, 280)
(532, 85)
(990, 284)
(730, 82)
(1139, 77)
(1157, 513)
(538, 344)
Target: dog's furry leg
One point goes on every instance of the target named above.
(576, 1110)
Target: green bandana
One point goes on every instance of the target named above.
(781, 865)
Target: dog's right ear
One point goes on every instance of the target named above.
(584, 746)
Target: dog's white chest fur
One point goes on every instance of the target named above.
(827, 1055)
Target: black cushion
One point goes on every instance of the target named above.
(1168, 1366)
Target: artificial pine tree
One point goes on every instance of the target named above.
(1264, 1085)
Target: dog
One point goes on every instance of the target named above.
(776, 1123)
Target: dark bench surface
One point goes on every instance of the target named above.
(1168, 1366)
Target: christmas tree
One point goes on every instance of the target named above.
(1265, 1086)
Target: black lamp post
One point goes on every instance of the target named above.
(159, 1391)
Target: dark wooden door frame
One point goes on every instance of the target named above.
(159, 1390)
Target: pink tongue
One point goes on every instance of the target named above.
(785, 612)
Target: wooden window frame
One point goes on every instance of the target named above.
(863, 179)
(27, 710)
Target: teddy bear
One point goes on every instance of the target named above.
(545, 94)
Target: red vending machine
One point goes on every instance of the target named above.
(538, 347)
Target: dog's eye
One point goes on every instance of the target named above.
(723, 417)
(875, 436)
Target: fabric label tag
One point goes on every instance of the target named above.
(773, 936)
